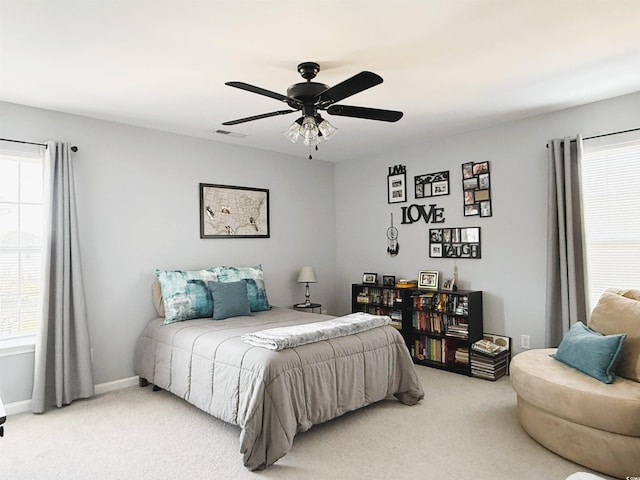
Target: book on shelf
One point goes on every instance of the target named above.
(462, 356)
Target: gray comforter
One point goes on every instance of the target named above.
(272, 395)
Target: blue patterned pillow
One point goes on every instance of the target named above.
(591, 352)
(254, 277)
(185, 294)
(229, 299)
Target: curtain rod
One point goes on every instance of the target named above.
(605, 135)
(74, 148)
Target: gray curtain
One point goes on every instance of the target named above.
(567, 300)
(62, 370)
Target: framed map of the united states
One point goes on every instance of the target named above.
(233, 212)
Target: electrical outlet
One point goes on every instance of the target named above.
(525, 341)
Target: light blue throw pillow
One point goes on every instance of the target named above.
(591, 352)
(185, 294)
(229, 299)
(254, 277)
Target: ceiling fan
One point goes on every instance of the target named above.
(311, 97)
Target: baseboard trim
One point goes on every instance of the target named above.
(25, 405)
(116, 385)
(17, 407)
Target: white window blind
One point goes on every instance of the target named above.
(611, 198)
(21, 236)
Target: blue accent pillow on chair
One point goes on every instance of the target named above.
(229, 299)
(591, 352)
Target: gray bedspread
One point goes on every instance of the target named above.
(272, 395)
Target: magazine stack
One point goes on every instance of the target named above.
(489, 360)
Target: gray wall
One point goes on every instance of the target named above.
(138, 207)
(512, 270)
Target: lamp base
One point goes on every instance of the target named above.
(307, 301)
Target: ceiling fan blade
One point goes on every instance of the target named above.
(262, 91)
(258, 117)
(364, 112)
(350, 86)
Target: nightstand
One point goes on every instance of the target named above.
(303, 307)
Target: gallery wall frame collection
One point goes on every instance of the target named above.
(454, 242)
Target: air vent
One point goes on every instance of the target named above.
(230, 134)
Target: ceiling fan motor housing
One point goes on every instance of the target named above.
(305, 92)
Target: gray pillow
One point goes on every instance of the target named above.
(229, 299)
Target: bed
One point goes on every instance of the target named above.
(272, 395)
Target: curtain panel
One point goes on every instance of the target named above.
(62, 371)
(566, 297)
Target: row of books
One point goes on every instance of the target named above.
(429, 349)
(440, 323)
(442, 302)
(379, 296)
(438, 350)
(395, 315)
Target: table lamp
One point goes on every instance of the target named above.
(307, 275)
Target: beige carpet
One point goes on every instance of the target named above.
(464, 429)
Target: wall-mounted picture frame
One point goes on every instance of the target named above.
(389, 280)
(397, 184)
(431, 184)
(233, 212)
(428, 279)
(449, 284)
(458, 242)
(370, 278)
(476, 187)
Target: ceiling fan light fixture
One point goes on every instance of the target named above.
(326, 129)
(293, 132)
(309, 131)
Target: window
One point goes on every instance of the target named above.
(21, 236)
(611, 197)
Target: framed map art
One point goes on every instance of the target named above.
(233, 212)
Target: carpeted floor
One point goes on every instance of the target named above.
(464, 429)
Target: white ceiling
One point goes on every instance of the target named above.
(450, 65)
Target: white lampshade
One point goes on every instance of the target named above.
(307, 275)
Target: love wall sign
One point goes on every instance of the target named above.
(413, 213)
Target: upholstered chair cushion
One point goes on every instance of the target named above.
(618, 311)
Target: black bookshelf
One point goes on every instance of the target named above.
(438, 326)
